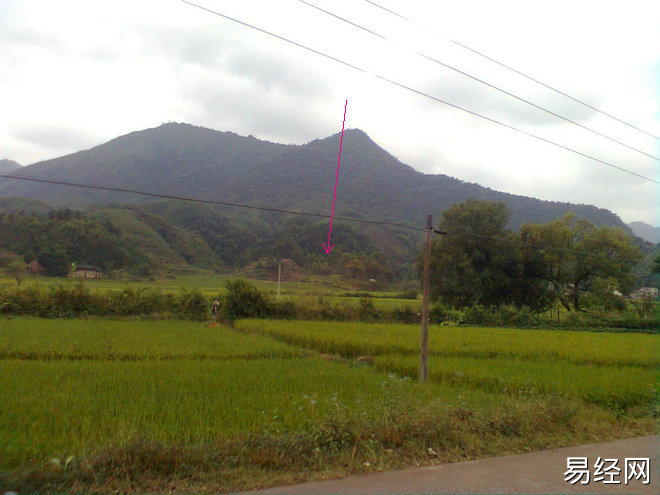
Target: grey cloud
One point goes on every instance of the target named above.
(56, 138)
(481, 99)
(273, 70)
(186, 46)
(243, 108)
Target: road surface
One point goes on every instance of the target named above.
(536, 472)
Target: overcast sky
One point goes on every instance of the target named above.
(74, 74)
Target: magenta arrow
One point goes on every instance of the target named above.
(328, 248)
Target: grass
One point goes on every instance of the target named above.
(613, 387)
(100, 339)
(352, 339)
(163, 406)
(212, 285)
(62, 408)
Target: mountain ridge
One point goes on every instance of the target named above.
(186, 160)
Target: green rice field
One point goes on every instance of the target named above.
(268, 402)
(356, 339)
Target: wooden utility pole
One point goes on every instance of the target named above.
(426, 289)
(279, 277)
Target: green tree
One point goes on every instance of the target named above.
(577, 257)
(242, 300)
(354, 268)
(54, 262)
(480, 262)
(17, 270)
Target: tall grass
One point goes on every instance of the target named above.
(352, 339)
(54, 409)
(613, 387)
(100, 339)
(142, 406)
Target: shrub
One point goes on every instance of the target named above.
(192, 304)
(405, 314)
(243, 300)
(408, 294)
(367, 311)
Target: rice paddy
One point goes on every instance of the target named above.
(267, 398)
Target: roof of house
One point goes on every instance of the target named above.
(92, 268)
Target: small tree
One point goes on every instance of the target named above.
(17, 270)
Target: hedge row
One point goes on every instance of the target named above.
(77, 300)
(243, 300)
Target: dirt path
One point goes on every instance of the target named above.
(537, 472)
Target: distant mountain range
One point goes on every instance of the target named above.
(646, 231)
(181, 159)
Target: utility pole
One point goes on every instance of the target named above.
(426, 289)
(279, 277)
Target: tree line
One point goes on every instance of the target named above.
(480, 262)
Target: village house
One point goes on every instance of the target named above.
(34, 268)
(645, 293)
(87, 271)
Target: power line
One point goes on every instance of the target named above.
(421, 93)
(206, 201)
(514, 70)
(481, 81)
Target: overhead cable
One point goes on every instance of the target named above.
(566, 95)
(481, 81)
(421, 93)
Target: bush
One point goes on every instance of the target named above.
(77, 300)
(286, 310)
(408, 294)
(367, 310)
(243, 300)
(405, 314)
(193, 305)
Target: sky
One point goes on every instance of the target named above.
(75, 74)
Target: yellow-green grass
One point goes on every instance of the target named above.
(206, 282)
(613, 387)
(61, 408)
(44, 339)
(210, 284)
(352, 339)
(149, 402)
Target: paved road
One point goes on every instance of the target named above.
(537, 472)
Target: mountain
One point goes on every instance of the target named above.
(8, 166)
(181, 159)
(646, 231)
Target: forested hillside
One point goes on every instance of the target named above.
(158, 237)
(185, 160)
